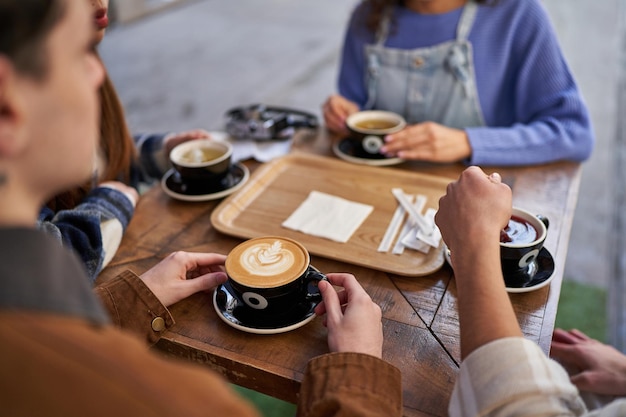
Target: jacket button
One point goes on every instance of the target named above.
(418, 62)
(158, 324)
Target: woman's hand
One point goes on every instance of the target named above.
(353, 319)
(428, 142)
(182, 274)
(336, 109)
(593, 366)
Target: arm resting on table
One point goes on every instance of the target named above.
(132, 306)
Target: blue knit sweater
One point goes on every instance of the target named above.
(532, 107)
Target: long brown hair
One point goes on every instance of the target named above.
(116, 145)
(371, 12)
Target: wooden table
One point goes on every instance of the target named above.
(420, 320)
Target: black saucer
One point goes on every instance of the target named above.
(235, 313)
(541, 278)
(351, 150)
(173, 185)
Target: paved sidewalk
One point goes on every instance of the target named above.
(186, 65)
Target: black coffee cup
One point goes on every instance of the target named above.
(203, 160)
(371, 126)
(520, 244)
(272, 274)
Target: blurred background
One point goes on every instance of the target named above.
(180, 64)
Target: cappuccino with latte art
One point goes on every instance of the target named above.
(267, 262)
(272, 275)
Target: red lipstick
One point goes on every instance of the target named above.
(101, 19)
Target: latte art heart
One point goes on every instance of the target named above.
(267, 259)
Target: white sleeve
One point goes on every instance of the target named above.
(513, 377)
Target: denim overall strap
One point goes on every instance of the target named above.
(373, 63)
(457, 60)
(434, 83)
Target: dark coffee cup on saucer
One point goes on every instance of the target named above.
(520, 244)
(370, 127)
(272, 274)
(204, 162)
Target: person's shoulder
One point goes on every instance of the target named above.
(357, 26)
(526, 18)
(531, 10)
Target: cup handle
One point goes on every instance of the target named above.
(311, 279)
(544, 220)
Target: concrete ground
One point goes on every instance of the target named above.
(185, 65)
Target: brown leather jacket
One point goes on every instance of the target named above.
(60, 355)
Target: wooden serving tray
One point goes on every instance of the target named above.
(277, 188)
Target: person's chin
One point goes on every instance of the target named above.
(100, 35)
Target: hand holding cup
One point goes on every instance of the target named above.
(352, 318)
(371, 126)
(182, 274)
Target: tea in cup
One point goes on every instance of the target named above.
(271, 274)
(205, 160)
(520, 243)
(371, 126)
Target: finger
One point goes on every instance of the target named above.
(591, 381)
(580, 381)
(579, 335)
(349, 283)
(559, 350)
(331, 302)
(341, 107)
(320, 309)
(334, 122)
(200, 260)
(562, 353)
(201, 283)
(201, 133)
(204, 270)
(415, 155)
(342, 295)
(561, 336)
(568, 355)
(338, 278)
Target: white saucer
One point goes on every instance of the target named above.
(235, 179)
(236, 314)
(350, 151)
(542, 278)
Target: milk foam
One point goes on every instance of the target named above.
(267, 259)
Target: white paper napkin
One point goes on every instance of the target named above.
(328, 216)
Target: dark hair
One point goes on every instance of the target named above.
(370, 12)
(24, 26)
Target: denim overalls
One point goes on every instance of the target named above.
(426, 84)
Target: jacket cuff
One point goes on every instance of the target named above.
(133, 307)
(363, 385)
